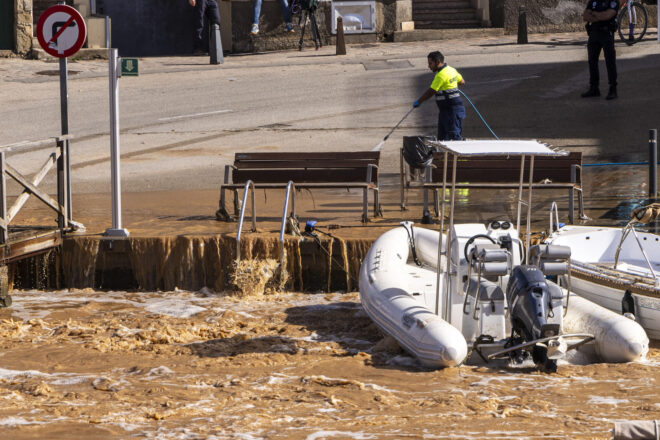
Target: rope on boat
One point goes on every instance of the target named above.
(645, 214)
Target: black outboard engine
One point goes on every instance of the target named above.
(530, 302)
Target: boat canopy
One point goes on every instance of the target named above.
(497, 147)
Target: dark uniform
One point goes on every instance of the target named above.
(601, 36)
(204, 9)
(447, 97)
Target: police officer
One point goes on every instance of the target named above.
(203, 9)
(600, 16)
(445, 88)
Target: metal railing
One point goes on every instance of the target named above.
(62, 206)
(554, 210)
(290, 193)
(248, 185)
(624, 234)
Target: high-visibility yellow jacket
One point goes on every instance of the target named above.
(445, 85)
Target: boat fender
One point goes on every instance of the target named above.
(636, 430)
(630, 316)
(628, 304)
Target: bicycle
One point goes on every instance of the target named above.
(632, 22)
(295, 7)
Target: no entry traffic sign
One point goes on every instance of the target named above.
(61, 31)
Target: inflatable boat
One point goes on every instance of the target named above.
(617, 268)
(479, 294)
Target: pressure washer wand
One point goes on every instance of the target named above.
(378, 147)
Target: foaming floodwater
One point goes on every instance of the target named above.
(79, 364)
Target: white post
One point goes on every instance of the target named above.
(108, 41)
(657, 26)
(116, 230)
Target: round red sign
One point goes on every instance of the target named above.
(61, 31)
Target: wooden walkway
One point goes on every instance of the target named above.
(18, 242)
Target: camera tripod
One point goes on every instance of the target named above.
(308, 15)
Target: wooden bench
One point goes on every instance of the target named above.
(497, 172)
(357, 169)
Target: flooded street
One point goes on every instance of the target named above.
(185, 365)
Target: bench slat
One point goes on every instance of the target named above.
(302, 176)
(499, 169)
(318, 185)
(305, 163)
(499, 175)
(364, 155)
(438, 185)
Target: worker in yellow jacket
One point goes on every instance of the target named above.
(445, 89)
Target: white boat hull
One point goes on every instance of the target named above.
(592, 246)
(389, 297)
(401, 299)
(617, 338)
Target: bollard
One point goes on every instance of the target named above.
(341, 45)
(522, 25)
(215, 45)
(653, 164)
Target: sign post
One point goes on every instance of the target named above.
(115, 175)
(61, 32)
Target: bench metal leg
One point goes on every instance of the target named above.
(581, 213)
(378, 212)
(427, 178)
(571, 206)
(402, 175)
(237, 204)
(365, 205)
(222, 214)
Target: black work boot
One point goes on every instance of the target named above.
(592, 92)
(612, 93)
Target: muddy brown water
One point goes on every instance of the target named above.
(80, 364)
(204, 364)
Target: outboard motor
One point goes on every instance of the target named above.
(530, 302)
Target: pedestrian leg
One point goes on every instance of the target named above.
(610, 60)
(593, 50)
(302, 30)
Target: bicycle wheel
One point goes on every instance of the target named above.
(632, 27)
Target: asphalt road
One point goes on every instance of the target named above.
(182, 119)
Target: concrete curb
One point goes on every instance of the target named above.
(445, 34)
(82, 54)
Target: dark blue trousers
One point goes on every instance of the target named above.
(601, 39)
(204, 9)
(450, 122)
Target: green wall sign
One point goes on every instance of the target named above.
(129, 67)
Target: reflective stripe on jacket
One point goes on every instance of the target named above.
(445, 83)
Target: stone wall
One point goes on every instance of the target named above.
(40, 6)
(547, 15)
(23, 26)
(148, 28)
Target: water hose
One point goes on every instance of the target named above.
(482, 118)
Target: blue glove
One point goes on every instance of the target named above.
(415, 104)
